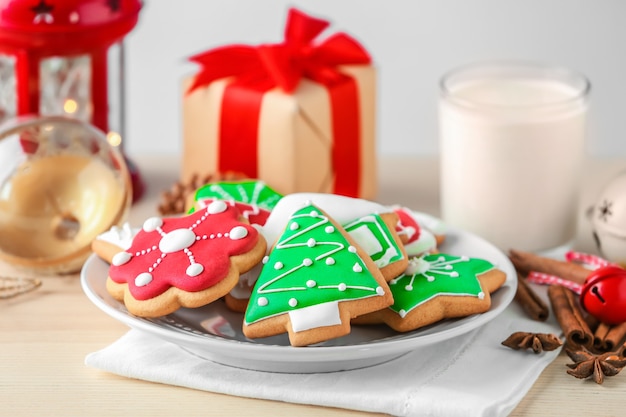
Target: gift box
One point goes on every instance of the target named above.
(299, 115)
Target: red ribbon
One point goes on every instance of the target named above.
(255, 70)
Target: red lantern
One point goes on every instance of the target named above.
(65, 57)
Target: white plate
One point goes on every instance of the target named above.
(214, 332)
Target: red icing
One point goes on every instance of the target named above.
(212, 253)
(406, 223)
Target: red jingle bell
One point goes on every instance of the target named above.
(603, 294)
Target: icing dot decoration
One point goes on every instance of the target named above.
(307, 262)
(177, 240)
(121, 258)
(294, 226)
(310, 243)
(278, 265)
(262, 301)
(357, 268)
(194, 270)
(143, 279)
(329, 229)
(217, 206)
(238, 232)
(152, 224)
(342, 287)
(330, 261)
(293, 302)
(311, 283)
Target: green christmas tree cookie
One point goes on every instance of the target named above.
(438, 286)
(315, 279)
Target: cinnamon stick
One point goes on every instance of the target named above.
(530, 301)
(526, 262)
(570, 316)
(607, 337)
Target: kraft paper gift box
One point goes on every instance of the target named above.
(299, 116)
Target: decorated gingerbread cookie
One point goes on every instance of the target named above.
(186, 261)
(435, 287)
(420, 232)
(377, 235)
(313, 282)
(254, 199)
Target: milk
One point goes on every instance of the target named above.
(512, 144)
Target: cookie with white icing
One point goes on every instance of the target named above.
(114, 240)
(372, 225)
(435, 287)
(187, 261)
(420, 232)
(313, 282)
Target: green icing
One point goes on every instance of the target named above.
(373, 235)
(251, 192)
(438, 274)
(311, 264)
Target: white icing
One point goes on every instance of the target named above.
(357, 268)
(143, 279)
(325, 314)
(177, 240)
(307, 262)
(152, 224)
(330, 261)
(364, 237)
(262, 301)
(329, 229)
(121, 258)
(278, 265)
(310, 243)
(293, 302)
(216, 206)
(426, 242)
(311, 283)
(194, 270)
(238, 232)
(121, 237)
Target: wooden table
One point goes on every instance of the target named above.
(45, 335)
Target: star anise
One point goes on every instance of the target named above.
(588, 365)
(173, 201)
(538, 342)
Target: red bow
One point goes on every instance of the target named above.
(284, 64)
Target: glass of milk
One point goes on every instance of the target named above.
(512, 139)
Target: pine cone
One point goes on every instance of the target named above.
(173, 200)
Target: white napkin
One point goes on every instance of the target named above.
(470, 375)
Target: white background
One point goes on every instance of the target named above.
(413, 42)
